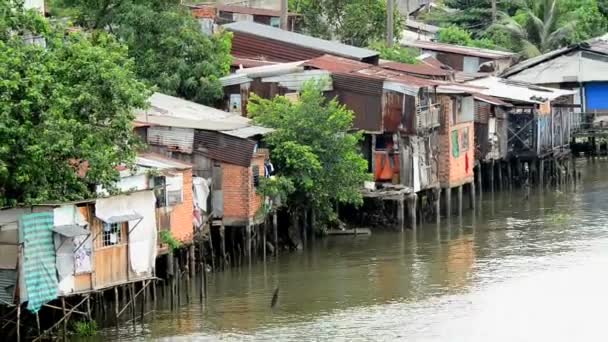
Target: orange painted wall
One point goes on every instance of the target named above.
(455, 171)
(241, 201)
(181, 215)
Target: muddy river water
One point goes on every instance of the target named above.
(519, 270)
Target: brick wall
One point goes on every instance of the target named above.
(236, 184)
(454, 171)
(181, 215)
(255, 200)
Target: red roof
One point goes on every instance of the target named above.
(336, 64)
(419, 69)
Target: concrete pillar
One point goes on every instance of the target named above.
(460, 200)
(472, 195)
(437, 204)
(401, 214)
(448, 202)
(413, 200)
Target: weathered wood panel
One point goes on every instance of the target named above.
(111, 266)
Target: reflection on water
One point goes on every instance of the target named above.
(520, 270)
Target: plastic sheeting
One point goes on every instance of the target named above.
(201, 189)
(142, 236)
(39, 264)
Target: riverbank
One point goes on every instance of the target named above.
(513, 254)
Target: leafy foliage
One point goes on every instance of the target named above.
(66, 110)
(396, 53)
(314, 151)
(168, 239)
(169, 48)
(354, 22)
(456, 35)
(85, 328)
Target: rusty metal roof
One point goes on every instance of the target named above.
(249, 62)
(460, 50)
(418, 69)
(336, 64)
(283, 45)
(160, 162)
(225, 148)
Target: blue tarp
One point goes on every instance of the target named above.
(596, 94)
(39, 259)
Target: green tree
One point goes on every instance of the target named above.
(459, 36)
(396, 53)
(314, 150)
(66, 110)
(354, 22)
(539, 27)
(166, 42)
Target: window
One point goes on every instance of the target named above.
(455, 144)
(160, 191)
(256, 175)
(112, 234)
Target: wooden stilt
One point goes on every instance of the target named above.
(133, 309)
(19, 323)
(460, 200)
(65, 321)
(480, 179)
(203, 270)
(492, 175)
(275, 232)
(223, 245)
(412, 206)
(500, 180)
(437, 205)
(305, 228)
(154, 295)
(143, 300)
(510, 174)
(401, 214)
(264, 239)
(89, 316)
(38, 323)
(541, 173)
(472, 196)
(192, 261)
(116, 305)
(211, 249)
(248, 242)
(448, 202)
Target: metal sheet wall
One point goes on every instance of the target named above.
(393, 110)
(225, 148)
(175, 139)
(363, 96)
(244, 44)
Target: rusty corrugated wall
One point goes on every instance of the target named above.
(225, 148)
(408, 118)
(362, 95)
(392, 111)
(482, 112)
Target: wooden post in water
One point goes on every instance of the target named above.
(541, 173)
(413, 200)
(19, 323)
(144, 291)
(65, 320)
(133, 308)
(500, 180)
(472, 195)
(116, 305)
(248, 242)
(448, 202)
(264, 238)
(224, 260)
(510, 174)
(460, 200)
(401, 214)
(492, 175)
(192, 261)
(275, 232)
(437, 205)
(480, 178)
(304, 228)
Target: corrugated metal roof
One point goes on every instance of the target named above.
(171, 111)
(160, 162)
(234, 79)
(305, 41)
(71, 230)
(414, 24)
(249, 132)
(418, 69)
(460, 50)
(295, 81)
(518, 91)
(271, 70)
(491, 100)
(598, 45)
(573, 66)
(336, 64)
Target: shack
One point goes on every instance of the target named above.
(220, 14)
(171, 181)
(225, 152)
(465, 58)
(539, 125)
(253, 40)
(54, 251)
